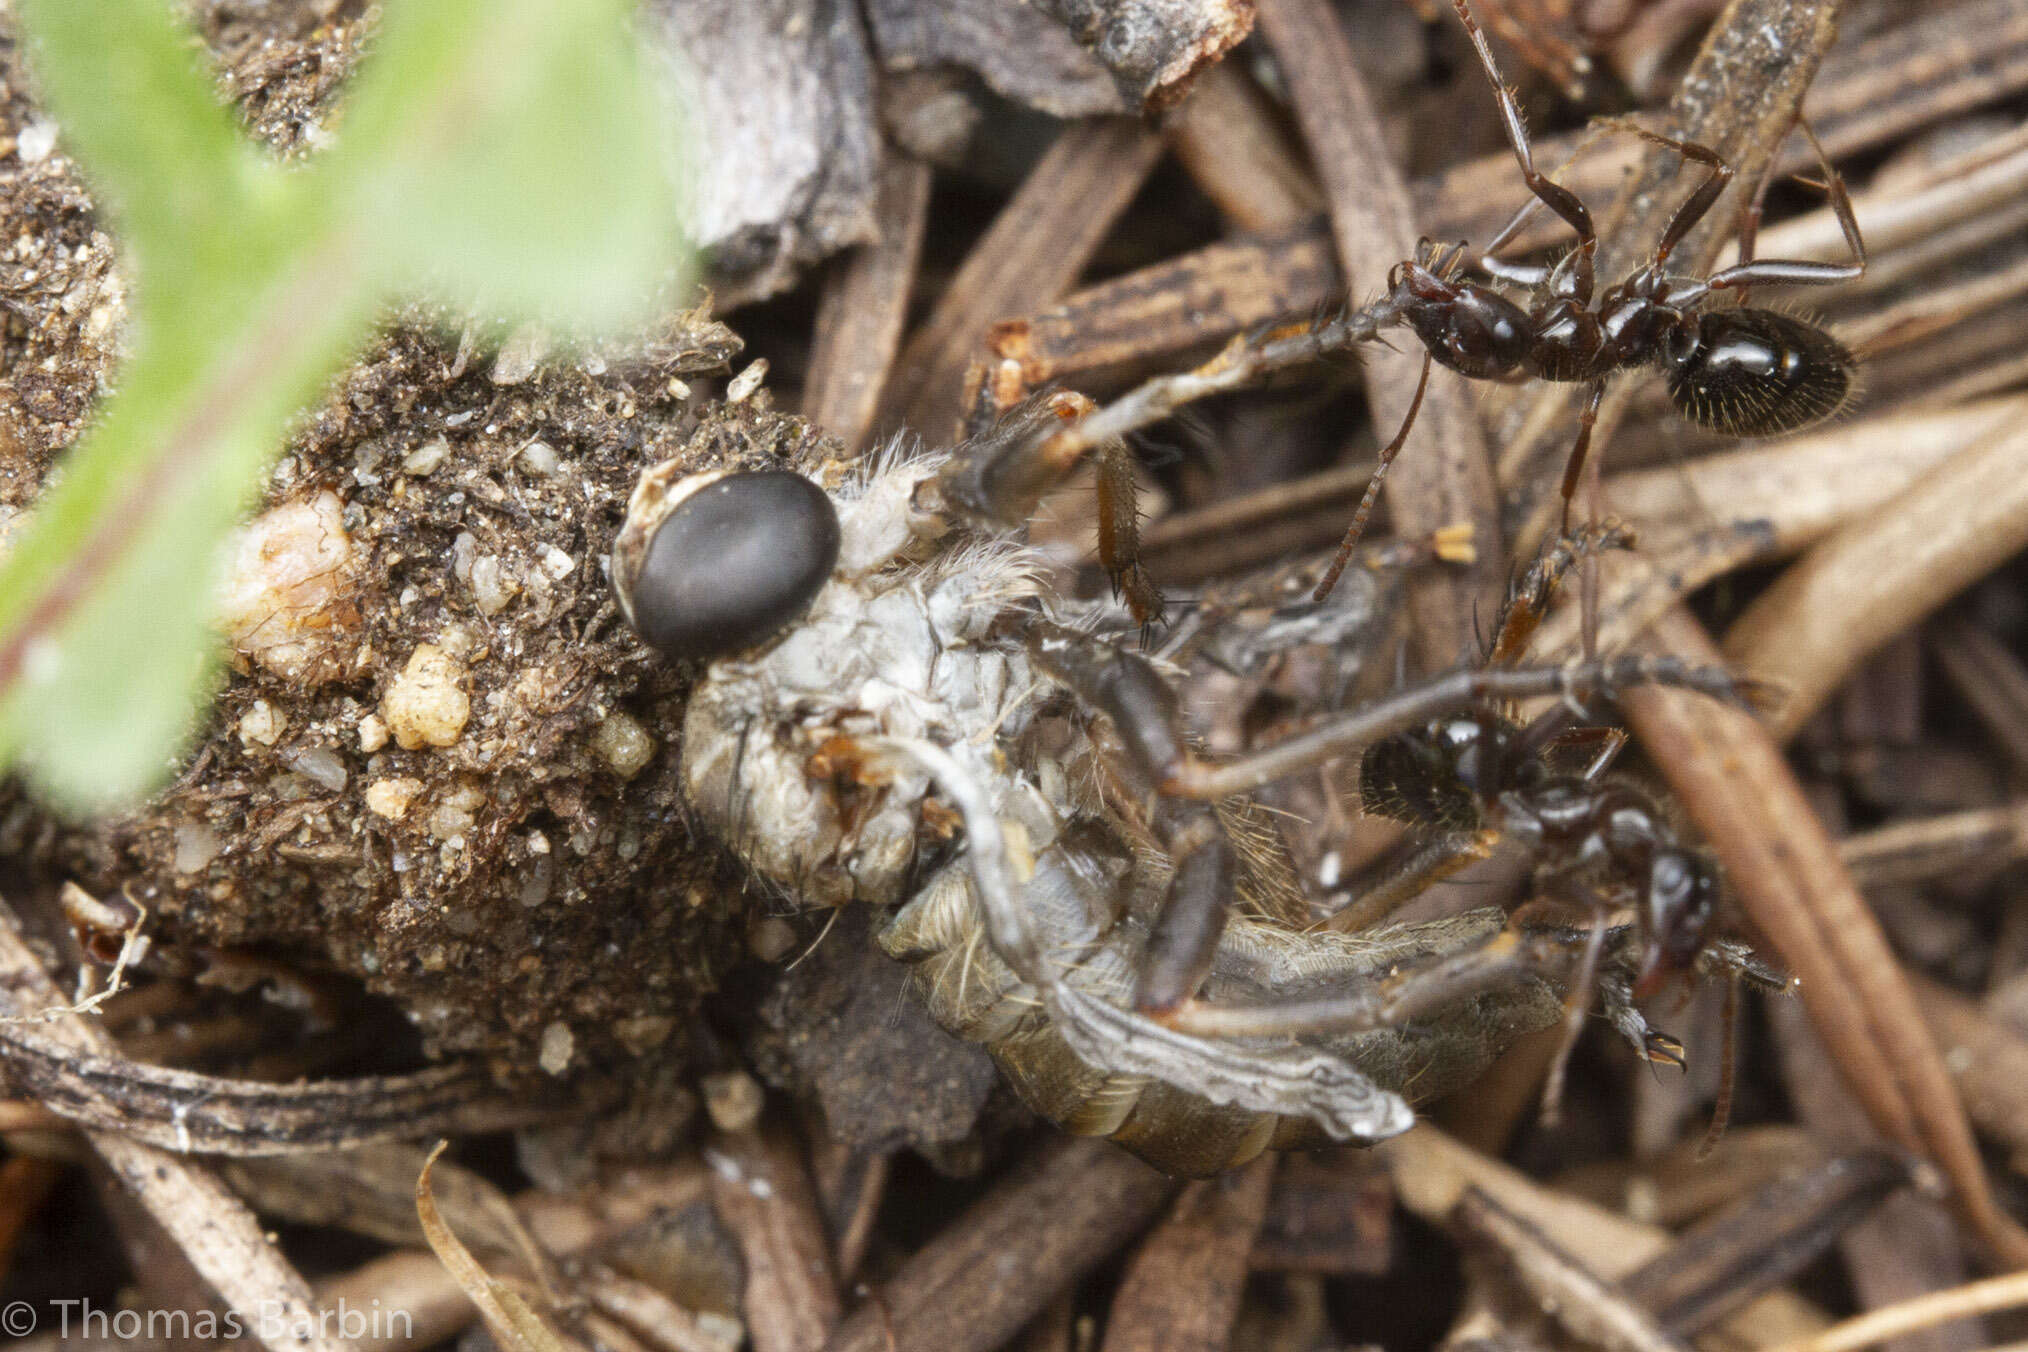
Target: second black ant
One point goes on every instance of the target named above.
(1744, 372)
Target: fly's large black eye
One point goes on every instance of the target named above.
(1759, 373)
(732, 563)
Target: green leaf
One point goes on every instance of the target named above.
(520, 157)
(135, 103)
(508, 152)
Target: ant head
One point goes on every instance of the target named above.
(1436, 776)
(1679, 907)
(715, 562)
(1756, 373)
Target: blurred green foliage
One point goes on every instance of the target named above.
(510, 156)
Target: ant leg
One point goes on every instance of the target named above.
(1795, 271)
(1431, 864)
(1799, 272)
(1403, 991)
(1365, 508)
(1728, 1073)
(1553, 195)
(1546, 52)
(1576, 1004)
(1119, 534)
(1747, 234)
(1528, 599)
(1699, 203)
(1186, 776)
(1573, 468)
(1126, 688)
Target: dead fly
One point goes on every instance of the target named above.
(1741, 371)
(891, 710)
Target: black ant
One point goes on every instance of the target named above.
(1743, 372)
(1602, 843)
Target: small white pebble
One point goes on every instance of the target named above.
(390, 798)
(539, 458)
(464, 548)
(426, 457)
(449, 823)
(372, 733)
(678, 389)
(262, 725)
(425, 705)
(196, 846)
(493, 585)
(557, 1048)
(556, 563)
(623, 744)
(320, 764)
(521, 354)
(746, 382)
(644, 1033)
(37, 139)
(286, 603)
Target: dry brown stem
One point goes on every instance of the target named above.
(1432, 1172)
(221, 1239)
(1988, 678)
(1446, 478)
(763, 1195)
(1182, 1286)
(864, 304)
(994, 1267)
(1225, 135)
(1882, 573)
(1035, 249)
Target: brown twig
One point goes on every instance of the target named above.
(221, 1239)
(1974, 1298)
(1763, 1240)
(864, 305)
(1930, 849)
(1882, 573)
(1010, 1254)
(1035, 249)
(1446, 479)
(187, 1112)
(1588, 1306)
(1990, 679)
(1182, 1285)
(1910, 1244)
(763, 1195)
(1226, 137)
(1432, 1172)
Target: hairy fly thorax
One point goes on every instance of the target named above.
(914, 635)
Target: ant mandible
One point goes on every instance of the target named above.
(1743, 372)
